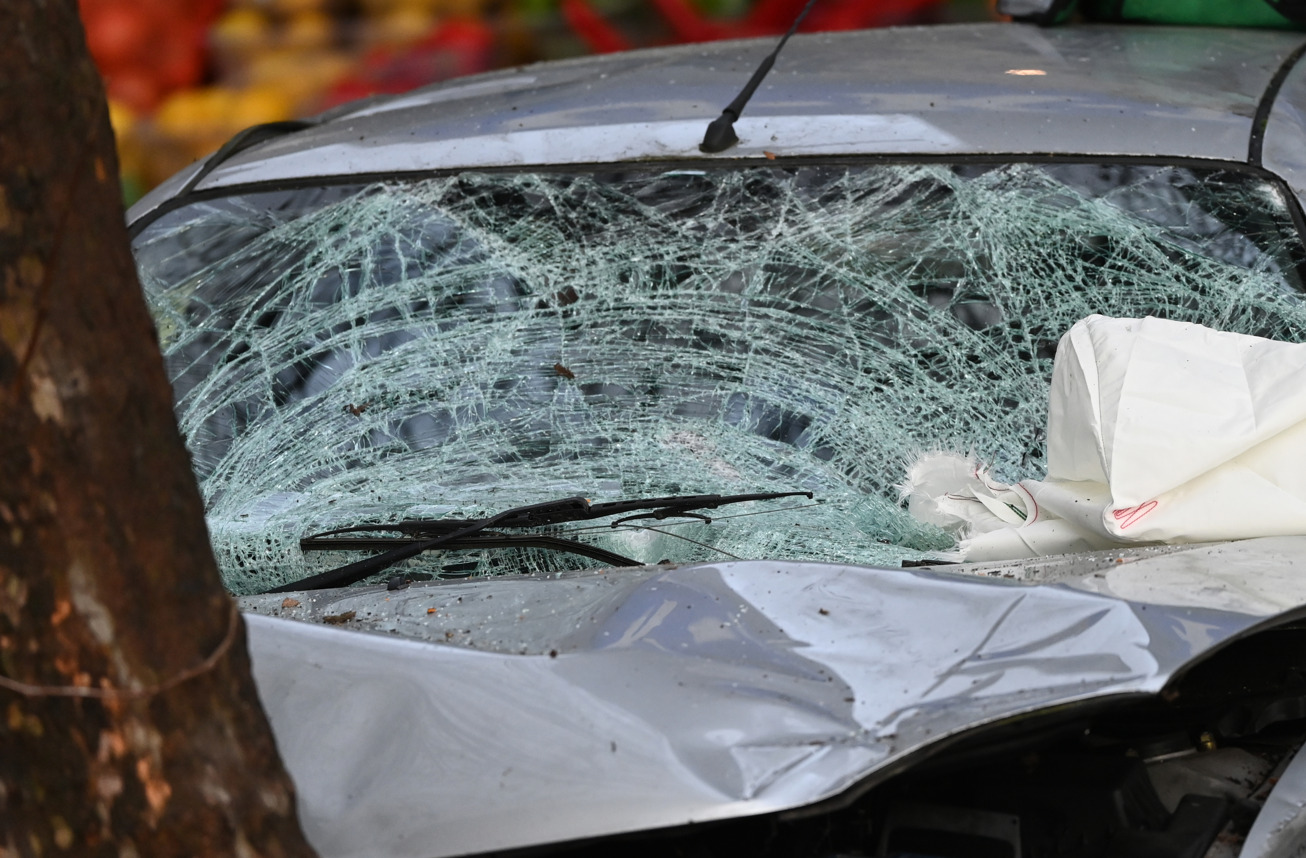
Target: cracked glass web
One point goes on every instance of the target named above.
(456, 346)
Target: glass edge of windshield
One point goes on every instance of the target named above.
(137, 227)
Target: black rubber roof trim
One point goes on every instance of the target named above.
(243, 140)
(1256, 142)
(186, 196)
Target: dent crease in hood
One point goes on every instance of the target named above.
(622, 700)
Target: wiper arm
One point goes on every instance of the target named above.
(442, 532)
(682, 505)
(352, 573)
(484, 539)
(562, 512)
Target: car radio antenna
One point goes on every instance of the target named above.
(720, 134)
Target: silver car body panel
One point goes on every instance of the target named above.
(1280, 829)
(705, 692)
(964, 89)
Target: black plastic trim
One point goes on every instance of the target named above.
(1256, 142)
(246, 139)
(183, 199)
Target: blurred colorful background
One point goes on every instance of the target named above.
(184, 75)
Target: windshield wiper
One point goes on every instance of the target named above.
(483, 539)
(424, 535)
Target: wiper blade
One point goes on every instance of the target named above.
(484, 539)
(562, 511)
(440, 533)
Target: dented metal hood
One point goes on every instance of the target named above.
(622, 700)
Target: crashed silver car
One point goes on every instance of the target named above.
(556, 462)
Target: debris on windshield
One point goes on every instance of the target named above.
(453, 346)
(1159, 432)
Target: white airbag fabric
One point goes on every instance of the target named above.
(1158, 432)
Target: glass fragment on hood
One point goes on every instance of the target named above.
(1159, 432)
(458, 345)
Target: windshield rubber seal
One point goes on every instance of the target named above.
(136, 227)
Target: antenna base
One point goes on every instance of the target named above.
(720, 135)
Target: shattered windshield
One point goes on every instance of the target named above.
(456, 346)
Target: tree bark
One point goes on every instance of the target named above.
(129, 724)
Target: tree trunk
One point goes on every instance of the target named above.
(129, 724)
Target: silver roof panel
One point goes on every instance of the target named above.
(958, 89)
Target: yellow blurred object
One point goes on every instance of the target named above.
(192, 123)
(401, 26)
(196, 120)
(131, 158)
(309, 30)
(122, 118)
(434, 7)
(242, 30)
(274, 66)
(302, 76)
(463, 8)
(380, 8)
(297, 7)
(257, 104)
(188, 111)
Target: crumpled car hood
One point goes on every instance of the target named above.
(552, 709)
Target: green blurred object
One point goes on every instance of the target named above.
(536, 8)
(132, 189)
(722, 8)
(1216, 13)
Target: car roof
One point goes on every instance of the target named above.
(971, 89)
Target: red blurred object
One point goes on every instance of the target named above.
(767, 17)
(147, 48)
(116, 34)
(457, 47)
(135, 88)
(599, 35)
(180, 60)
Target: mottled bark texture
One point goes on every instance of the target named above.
(106, 577)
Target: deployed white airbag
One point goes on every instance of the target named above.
(1158, 432)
